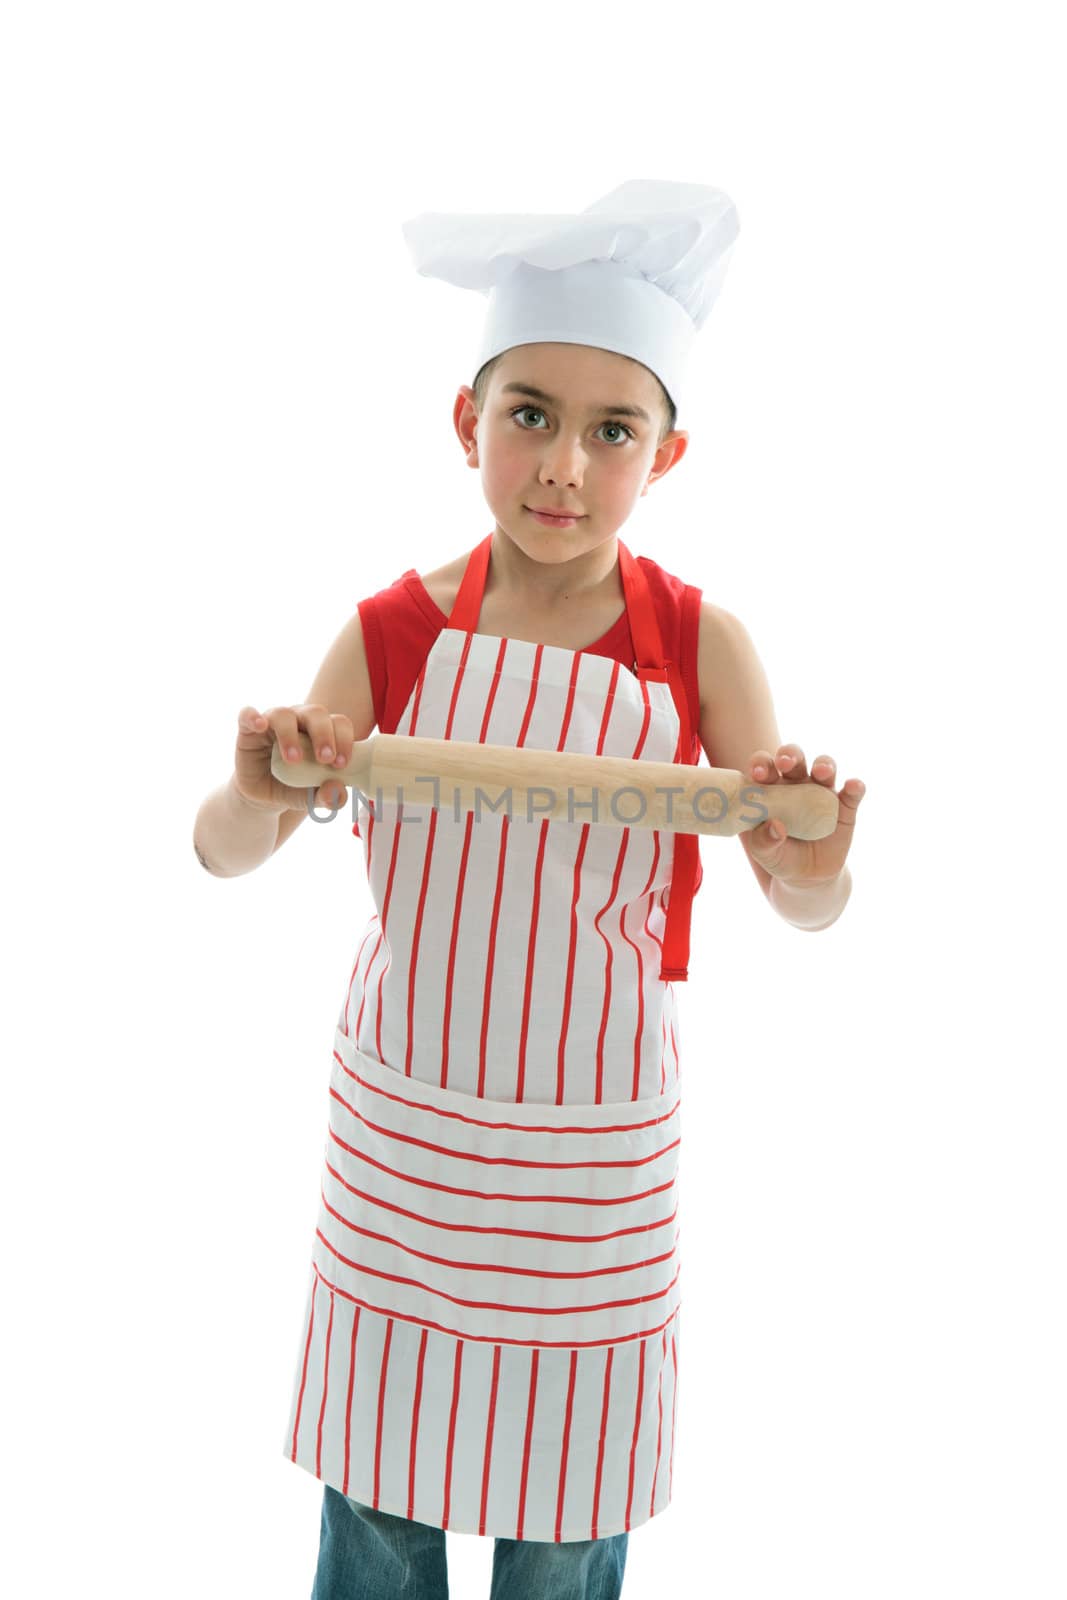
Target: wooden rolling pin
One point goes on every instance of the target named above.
(560, 784)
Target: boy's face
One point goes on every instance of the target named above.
(571, 446)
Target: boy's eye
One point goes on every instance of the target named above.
(537, 412)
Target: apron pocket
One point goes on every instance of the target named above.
(517, 1223)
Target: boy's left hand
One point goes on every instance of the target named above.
(802, 861)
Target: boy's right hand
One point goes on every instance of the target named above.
(257, 732)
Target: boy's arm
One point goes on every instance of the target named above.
(342, 683)
(736, 709)
(231, 837)
(737, 719)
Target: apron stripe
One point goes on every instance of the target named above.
(490, 958)
(474, 1266)
(535, 1356)
(415, 938)
(604, 1410)
(480, 1338)
(609, 958)
(299, 1402)
(568, 1418)
(674, 1405)
(450, 981)
(452, 1428)
(489, 1439)
(542, 840)
(648, 894)
(659, 1432)
(365, 988)
(568, 1310)
(525, 1033)
(415, 1422)
(542, 1165)
(487, 985)
(638, 1414)
(322, 1407)
(382, 1382)
(348, 1395)
(345, 1021)
(384, 924)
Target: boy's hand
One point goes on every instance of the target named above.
(332, 737)
(802, 861)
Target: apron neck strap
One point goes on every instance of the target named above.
(468, 602)
(644, 624)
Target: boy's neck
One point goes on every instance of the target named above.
(543, 585)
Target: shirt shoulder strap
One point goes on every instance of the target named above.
(399, 628)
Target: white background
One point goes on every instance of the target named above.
(226, 418)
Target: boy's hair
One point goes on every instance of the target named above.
(481, 386)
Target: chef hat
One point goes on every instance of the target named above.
(636, 272)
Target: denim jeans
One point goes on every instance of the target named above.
(371, 1555)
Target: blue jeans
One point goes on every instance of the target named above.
(371, 1555)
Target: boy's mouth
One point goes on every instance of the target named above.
(554, 516)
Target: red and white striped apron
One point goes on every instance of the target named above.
(491, 1332)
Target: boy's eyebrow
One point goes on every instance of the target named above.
(599, 411)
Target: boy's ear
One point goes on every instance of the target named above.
(668, 454)
(465, 418)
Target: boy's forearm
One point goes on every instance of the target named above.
(230, 836)
(811, 906)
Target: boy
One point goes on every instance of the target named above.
(491, 1337)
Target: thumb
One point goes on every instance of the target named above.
(768, 841)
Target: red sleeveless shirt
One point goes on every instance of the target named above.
(401, 622)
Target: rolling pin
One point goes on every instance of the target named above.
(563, 785)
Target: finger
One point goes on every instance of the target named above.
(851, 793)
(331, 793)
(762, 767)
(325, 731)
(283, 720)
(790, 762)
(824, 770)
(344, 737)
(318, 725)
(249, 720)
(765, 847)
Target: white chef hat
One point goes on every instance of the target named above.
(636, 272)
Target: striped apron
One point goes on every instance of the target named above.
(491, 1331)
